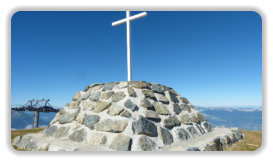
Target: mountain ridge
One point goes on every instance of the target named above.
(243, 118)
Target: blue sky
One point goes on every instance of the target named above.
(212, 58)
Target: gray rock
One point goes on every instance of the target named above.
(161, 109)
(148, 94)
(171, 122)
(162, 99)
(228, 140)
(98, 139)
(184, 100)
(86, 94)
(110, 125)
(237, 135)
(121, 143)
(17, 140)
(50, 130)
(118, 96)
(185, 118)
(77, 96)
(95, 85)
(130, 105)
(193, 131)
(145, 127)
(171, 96)
(115, 109)
(165, 136)
(186, 107)
(193, 149)
(43, 147)
(68, 117)
(131, 92)
(218, 144)
(152, 115)
(95, 96)
(149, 85)
(122, 85)
(166, 88)
(113, 83)
(210, 147)
(147, 104)
(74, 104)
(157, 89)
(24, 141)
(56, 118)
(107, 87)
(31, 146)
(176, 108)
(101, 106)
(198, 118)
(78, 135)
(81, 116)
(63, 110)
(90, 121)
(182, 134)
(126, 114)
(61, 132)
(139, 84)
(96, 88)
(86, 88)
(200, 129)
(106, 95)
(173, 91)
(146, 144)
(87, 105)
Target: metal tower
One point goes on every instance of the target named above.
(36, 106)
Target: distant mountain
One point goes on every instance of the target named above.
(24, 120)
(248, 118)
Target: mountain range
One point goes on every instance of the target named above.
(248, 118)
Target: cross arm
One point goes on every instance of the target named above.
(142, 14)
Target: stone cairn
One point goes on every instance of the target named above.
(126, 116)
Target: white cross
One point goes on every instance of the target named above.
(127, 21)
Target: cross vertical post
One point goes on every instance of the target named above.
(127, 21)
(128, 46)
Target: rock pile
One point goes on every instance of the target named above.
(124, 116)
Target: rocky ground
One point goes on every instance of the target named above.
(217, 140)
(251, 142)
(123, 116)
